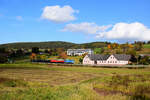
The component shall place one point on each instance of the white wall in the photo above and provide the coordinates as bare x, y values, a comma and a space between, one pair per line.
112, 61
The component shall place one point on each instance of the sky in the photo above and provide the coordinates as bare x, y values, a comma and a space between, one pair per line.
77, 21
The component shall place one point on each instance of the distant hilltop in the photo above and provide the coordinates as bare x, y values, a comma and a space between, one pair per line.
54, 44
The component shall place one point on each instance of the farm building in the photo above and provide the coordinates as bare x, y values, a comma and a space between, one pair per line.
115, 59
78, 52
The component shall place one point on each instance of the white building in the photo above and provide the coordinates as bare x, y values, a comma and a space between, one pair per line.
78, 52
115, 59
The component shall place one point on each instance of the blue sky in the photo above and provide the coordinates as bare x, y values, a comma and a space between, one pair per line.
77, 21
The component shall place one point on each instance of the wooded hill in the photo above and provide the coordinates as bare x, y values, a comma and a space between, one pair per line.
53, 44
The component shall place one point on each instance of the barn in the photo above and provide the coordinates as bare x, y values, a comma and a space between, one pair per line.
114, 59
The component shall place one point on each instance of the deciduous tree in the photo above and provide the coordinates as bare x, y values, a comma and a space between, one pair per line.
63, 55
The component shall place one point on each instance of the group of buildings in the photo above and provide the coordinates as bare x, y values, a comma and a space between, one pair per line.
98, 59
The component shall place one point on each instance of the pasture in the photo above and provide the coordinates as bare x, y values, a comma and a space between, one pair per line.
50, 82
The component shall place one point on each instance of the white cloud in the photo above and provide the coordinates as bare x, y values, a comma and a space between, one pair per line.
120, 31
85, 27
59, 14
124, 31
19, 18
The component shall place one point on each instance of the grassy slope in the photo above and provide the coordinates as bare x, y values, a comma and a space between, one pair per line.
46, 82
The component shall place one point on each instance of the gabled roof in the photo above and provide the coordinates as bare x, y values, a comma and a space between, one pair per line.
79, 50
123, 57
98, 57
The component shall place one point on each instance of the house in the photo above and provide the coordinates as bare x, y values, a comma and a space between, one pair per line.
115, 59
78, 52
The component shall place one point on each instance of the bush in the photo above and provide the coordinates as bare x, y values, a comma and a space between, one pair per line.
3, 58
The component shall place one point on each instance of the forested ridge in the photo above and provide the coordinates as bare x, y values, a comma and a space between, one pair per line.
53, 44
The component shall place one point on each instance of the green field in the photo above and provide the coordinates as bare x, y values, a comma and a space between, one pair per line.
146, 45
50, 82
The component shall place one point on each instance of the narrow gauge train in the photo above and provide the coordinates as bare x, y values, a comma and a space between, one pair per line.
67, 61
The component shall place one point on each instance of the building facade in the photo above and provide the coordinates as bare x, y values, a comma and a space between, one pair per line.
78, 52
116, 59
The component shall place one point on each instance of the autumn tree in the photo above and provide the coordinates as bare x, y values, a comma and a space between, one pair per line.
33, 56
42, 57
114, 46
63, 55
138, 46
60, 50
109, 46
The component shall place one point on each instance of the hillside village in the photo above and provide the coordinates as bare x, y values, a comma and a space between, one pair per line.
108, 54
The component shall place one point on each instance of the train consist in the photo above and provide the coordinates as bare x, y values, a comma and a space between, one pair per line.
67, 61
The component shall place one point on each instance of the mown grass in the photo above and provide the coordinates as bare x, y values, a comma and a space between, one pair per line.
49, 82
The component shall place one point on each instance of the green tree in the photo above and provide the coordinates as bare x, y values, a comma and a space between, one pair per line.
3, 58
2, 50
35, 50
145, 60
97, 51
131, 52
81, 60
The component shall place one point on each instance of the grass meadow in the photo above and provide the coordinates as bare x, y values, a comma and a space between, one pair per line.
50, 82
146, 45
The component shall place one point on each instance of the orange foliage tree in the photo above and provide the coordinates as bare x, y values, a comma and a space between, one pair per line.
33, 56
63, 55
109, 46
